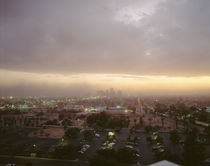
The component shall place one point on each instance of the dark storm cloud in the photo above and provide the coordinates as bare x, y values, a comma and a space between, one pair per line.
77, 36
182, 46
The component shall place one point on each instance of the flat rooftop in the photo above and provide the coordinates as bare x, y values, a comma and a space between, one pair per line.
164, 163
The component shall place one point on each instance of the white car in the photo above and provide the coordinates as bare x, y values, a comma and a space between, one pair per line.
129, 146
138, 155
86, 146
97, 135
81, 152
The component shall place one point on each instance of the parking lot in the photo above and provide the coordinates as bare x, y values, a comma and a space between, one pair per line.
94, 146
144, 147
17, 140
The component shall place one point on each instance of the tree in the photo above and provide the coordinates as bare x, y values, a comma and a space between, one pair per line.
173, 109
37, 122
98, 120
47, 134
52, 122
72, 133
135, 139
162, 121
127, 155
102, 121
148, 129
207, 131
174, 137
203, 116
61, 116
150, 120
160, 108
134, 121
176, 121
193, 151
185, 123
141, 121
104, 158
88, 135
66, 122
110, 157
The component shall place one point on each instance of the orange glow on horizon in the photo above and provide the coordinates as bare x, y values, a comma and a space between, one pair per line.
119, 81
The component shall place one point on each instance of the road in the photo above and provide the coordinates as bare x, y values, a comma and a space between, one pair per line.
22, 161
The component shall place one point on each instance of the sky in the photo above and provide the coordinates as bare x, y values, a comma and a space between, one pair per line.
69, 47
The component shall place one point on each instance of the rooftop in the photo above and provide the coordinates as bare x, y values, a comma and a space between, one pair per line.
164, 163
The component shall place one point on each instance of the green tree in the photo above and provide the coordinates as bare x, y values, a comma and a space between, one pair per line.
66, 122
88, 135
193, 151
141, 121
162, 121
61, 116
127, 155
110, 157
150, 121
134, 121
72, 133
174, 137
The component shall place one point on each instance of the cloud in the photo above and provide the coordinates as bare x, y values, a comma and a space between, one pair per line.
147, 37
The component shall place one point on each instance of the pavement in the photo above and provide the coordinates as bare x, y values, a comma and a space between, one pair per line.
94, 146
22, 161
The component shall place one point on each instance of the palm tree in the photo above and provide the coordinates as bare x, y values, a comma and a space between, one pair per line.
150, 120
162, 121
176, 121
134, 121
141, 121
